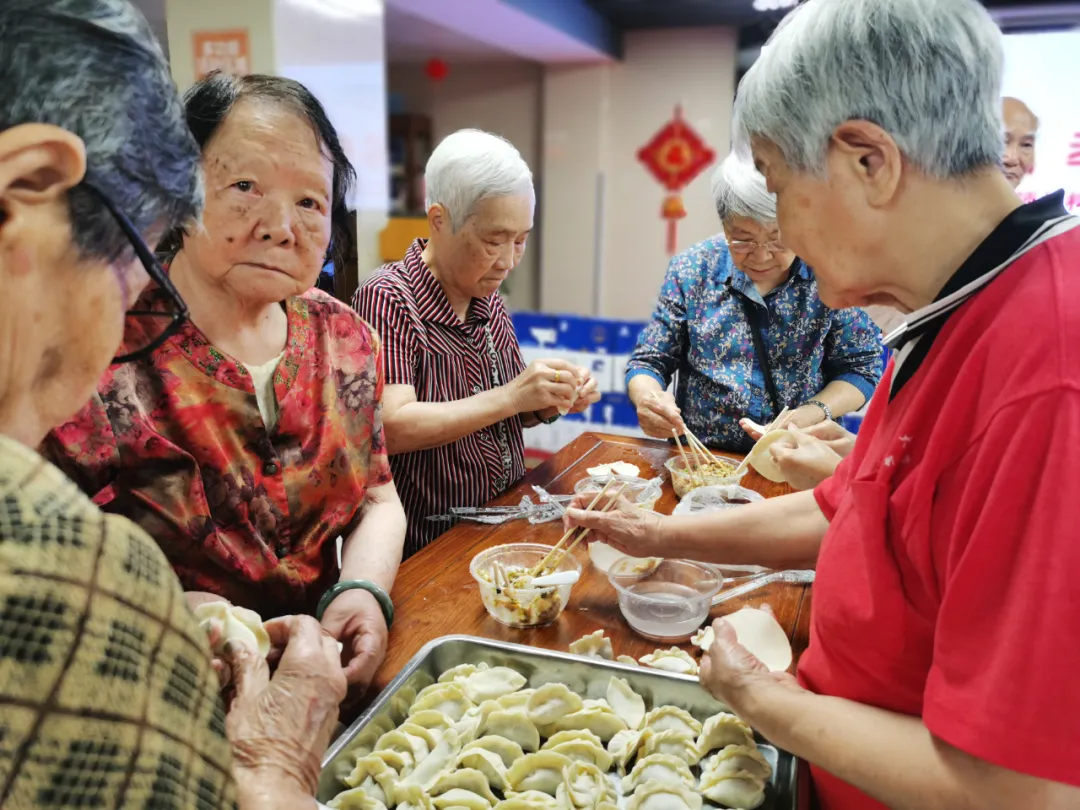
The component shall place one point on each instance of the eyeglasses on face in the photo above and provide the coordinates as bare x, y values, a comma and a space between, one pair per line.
744, 248
145, 329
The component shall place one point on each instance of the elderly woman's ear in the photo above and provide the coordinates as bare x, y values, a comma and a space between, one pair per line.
39, 163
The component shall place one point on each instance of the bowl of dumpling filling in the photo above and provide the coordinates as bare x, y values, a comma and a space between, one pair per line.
504, 575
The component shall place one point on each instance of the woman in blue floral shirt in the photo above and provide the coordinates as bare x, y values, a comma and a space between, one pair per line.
822, 362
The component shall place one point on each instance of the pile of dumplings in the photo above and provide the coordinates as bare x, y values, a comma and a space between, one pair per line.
478, 740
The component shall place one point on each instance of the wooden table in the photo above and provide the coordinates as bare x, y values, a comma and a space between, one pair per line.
435, 595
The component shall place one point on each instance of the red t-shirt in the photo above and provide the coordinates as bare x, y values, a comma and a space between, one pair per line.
948, 584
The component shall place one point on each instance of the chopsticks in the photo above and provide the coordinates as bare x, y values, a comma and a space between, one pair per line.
699, 455
769, 429
607, 508
546, 563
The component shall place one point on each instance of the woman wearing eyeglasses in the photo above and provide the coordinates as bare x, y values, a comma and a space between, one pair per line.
247, 439
740, 323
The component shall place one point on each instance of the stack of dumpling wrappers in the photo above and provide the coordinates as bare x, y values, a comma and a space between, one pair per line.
477, 740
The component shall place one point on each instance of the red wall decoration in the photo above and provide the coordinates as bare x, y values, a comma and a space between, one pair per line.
675, 156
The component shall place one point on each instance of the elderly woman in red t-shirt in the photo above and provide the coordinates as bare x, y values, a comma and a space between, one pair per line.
941, 670
250, 438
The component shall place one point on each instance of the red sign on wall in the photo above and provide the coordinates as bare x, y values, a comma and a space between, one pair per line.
227, 51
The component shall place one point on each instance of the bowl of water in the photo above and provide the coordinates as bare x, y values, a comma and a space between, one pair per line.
667, 601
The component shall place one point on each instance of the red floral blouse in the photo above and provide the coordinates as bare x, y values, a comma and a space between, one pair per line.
176, 443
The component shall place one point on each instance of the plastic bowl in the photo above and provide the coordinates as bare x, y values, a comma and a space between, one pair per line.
521, 607
667, 602
642, 492
684, 482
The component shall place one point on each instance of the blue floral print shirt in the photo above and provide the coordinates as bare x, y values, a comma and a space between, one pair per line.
700, 333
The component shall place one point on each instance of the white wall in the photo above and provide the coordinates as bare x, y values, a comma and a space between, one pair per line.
500, 97
595, 120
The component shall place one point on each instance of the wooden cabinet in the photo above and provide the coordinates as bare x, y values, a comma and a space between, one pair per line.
410, 146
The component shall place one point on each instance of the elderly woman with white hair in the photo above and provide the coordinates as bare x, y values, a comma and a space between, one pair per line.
941, 667
457, 391
740, 323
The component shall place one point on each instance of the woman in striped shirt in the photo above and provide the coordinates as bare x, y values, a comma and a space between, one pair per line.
457, 391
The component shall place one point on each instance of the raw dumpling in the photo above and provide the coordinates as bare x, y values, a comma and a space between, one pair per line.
734, 759
447, 698
584, 787
528, 800
427, 772
464, 779
236, 624
672, 718
401, 763
623, 748
674, 743
673, 660
432, 720
460, 672
626, 703
626, 659
722, 730
616, 468
513, 726
573, 735
600, 720
593, 645
429, 736
742, 790
704, 638
356, 799
660, 796
413, 797
761, 459
491, 684
460, 798
489, 764
762, 635
376, 777
401, 702
398, 740
583, 751
516, 701
540, 771
659, 768
552, 701
468, 727
507, 750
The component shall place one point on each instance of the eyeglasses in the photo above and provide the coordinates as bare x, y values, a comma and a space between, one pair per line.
746, 248
146, 328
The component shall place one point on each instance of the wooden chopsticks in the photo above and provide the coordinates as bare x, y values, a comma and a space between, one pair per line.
547, 564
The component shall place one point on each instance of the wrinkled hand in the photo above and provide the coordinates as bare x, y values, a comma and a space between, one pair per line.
280, 727
355, 619
220, 665
804, 460
834, 435
535, 390
658, 415
736, 677
627, 527
804, 417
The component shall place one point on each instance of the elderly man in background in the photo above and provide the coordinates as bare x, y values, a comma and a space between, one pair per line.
107, 695
457, 391
1021, 129
945, 545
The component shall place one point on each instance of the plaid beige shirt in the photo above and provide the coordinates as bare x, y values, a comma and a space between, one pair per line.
107, 698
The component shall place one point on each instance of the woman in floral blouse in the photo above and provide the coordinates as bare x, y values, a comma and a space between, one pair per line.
251, 439
819, 363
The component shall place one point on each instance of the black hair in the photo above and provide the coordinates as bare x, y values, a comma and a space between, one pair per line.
211, 100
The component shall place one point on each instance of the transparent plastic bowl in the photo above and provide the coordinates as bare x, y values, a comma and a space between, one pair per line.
521, 607
666, 601
684, 482
642, 492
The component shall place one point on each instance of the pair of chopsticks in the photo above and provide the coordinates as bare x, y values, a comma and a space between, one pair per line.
551, 561
699, 453
769, 429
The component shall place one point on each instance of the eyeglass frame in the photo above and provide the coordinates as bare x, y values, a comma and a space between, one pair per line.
154, 270
773, 247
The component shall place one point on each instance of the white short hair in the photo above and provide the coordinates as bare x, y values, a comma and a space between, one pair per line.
926, 71
471, 165
739, 190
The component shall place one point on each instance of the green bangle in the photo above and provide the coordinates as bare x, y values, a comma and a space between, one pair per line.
381, 596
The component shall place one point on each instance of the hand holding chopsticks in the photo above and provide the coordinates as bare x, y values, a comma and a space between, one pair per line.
551, 561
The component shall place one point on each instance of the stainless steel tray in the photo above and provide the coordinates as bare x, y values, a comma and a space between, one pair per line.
588, 677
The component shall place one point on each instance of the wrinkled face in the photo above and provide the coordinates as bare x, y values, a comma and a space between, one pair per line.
826, 222
1020, 129
757, 250
268, 195
479, 257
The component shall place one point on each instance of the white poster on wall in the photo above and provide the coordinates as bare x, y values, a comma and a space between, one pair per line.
1039, 72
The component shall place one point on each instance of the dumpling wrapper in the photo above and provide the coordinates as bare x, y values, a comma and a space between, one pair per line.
761, 459
238, 625
623, 468
761, 634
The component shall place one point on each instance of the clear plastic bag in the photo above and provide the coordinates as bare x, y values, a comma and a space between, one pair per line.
714, 498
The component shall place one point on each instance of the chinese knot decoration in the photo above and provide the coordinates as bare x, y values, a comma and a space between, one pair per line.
675, 156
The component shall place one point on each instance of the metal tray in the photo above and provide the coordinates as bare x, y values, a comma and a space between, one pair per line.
588, 677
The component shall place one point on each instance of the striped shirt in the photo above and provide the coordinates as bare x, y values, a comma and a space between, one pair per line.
427, 346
